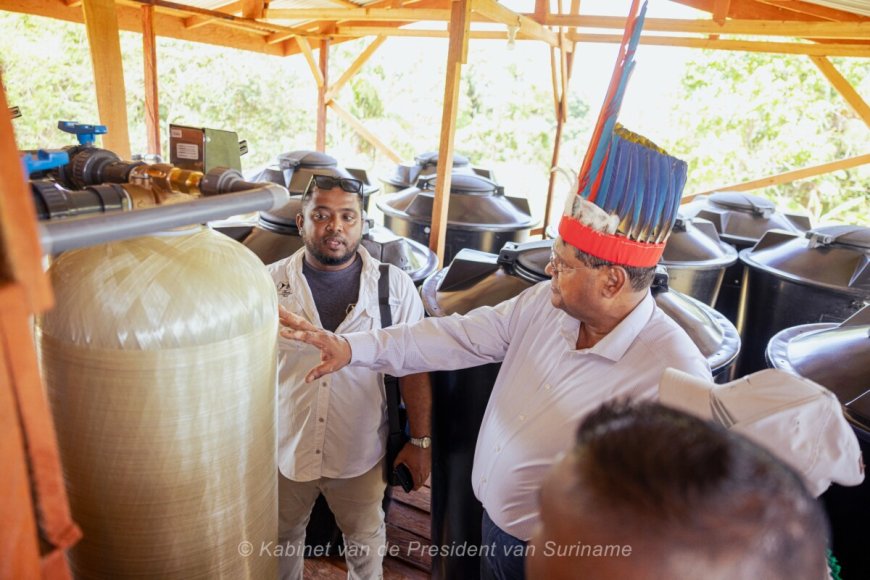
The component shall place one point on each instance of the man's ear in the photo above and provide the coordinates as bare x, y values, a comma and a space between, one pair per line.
300, 220
614, 279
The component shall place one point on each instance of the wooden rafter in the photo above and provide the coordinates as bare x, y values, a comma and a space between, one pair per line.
720, 10
842, 85
253, 8
197, 21
846, 30
789, 176
305, 46
497, 13
805, 8
768, 10
853, 50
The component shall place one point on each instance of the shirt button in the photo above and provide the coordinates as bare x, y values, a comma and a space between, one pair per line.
498, 448
323, 384
522, 417
482, 481
317, 451
321, 419
547, 387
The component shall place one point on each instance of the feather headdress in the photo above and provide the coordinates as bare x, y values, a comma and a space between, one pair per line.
628, 189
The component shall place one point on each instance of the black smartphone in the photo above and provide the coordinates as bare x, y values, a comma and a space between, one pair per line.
403, 476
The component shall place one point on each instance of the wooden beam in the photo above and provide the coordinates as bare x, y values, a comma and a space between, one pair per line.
357, 126
361, 14
167, 24
789, 176
309, 56
497, 13
360, 31
720, 10
457, 55
769, 10
853, 50
101, 22
253, 9
542, 9
197, 21
321, 95
805, 8
845, 30
152, 101
846, 90
354, 67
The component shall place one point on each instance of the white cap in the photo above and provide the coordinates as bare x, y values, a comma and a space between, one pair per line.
797, 420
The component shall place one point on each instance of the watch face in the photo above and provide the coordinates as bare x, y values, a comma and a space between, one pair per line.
423, 442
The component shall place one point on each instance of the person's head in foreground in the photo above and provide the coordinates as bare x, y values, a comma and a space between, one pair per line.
651, 492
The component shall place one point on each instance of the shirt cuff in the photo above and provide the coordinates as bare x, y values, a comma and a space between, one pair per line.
362, 347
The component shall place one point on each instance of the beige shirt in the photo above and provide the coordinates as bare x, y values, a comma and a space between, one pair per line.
336, 426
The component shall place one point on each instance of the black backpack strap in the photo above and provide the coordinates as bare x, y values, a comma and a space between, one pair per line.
391, 383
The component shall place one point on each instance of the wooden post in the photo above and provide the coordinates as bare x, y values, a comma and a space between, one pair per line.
32, 482
101, 21
561, 117
457, 55
321, 95
152, 108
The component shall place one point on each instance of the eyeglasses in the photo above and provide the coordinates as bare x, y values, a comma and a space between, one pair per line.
558, 265
325, 182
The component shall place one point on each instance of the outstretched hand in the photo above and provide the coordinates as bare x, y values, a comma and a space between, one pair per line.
334, 350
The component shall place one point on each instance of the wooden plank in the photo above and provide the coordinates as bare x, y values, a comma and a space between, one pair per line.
805, 8
19, 541
421, 498
101, 23
768, 10
554, 75
20, 252
309, 57
410, 519
720, 10
409, 547
852, 50
167, 25
844, 30
152, 107
197, 21
324, 569
846, 90
354, 67
321, 96
395, 569
366, 134
253, 9
361, 14
542, 9
563, 69
789, 176
497, 13
457, 55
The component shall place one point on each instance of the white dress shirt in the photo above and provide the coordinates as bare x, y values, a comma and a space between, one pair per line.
336, 426
545, 385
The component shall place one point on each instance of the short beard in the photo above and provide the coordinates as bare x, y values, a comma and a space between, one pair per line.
327, 260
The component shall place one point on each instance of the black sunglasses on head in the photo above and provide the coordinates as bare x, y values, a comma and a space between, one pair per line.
325, 182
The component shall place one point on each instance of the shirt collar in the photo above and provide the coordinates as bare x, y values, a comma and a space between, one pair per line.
616, 343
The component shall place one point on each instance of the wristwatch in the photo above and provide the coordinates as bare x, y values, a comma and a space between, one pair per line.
421, 442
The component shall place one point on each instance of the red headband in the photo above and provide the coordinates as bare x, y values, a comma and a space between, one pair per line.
613, 248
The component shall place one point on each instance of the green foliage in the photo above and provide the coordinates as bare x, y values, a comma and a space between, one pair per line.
746, 116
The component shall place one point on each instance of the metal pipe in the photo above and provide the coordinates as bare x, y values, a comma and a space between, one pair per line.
67, 235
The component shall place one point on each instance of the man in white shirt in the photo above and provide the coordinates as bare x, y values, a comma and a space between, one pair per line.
332, 433
591, 334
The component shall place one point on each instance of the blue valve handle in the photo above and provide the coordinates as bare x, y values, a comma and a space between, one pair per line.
43, 160
84, 132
